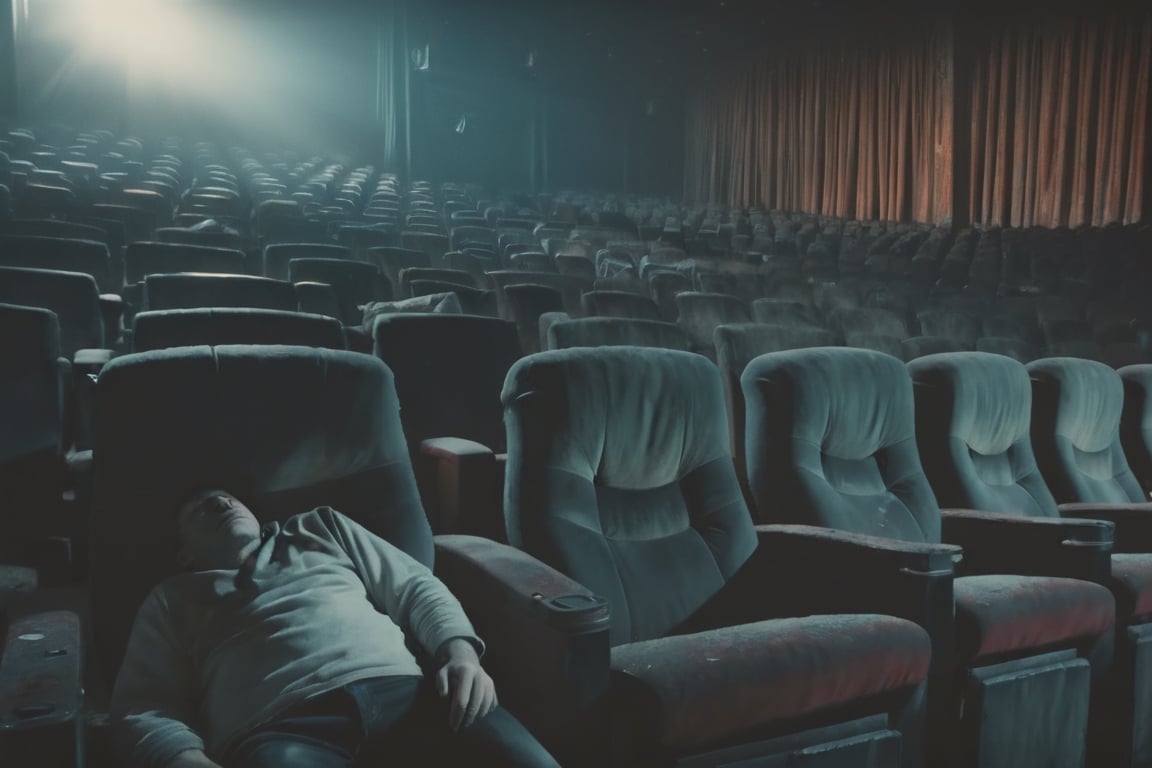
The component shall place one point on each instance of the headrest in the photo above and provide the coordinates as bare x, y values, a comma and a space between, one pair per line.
1082, 399
626, 417
850, 402
193, 327
982, 398
615, 331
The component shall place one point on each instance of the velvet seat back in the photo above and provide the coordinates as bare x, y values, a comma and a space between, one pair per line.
213, 326
1136, 421
449, 370
619, 475
973, 413
277, 256
284, 428
73, 296
150, 258
831, 441
619, 304
192, 291
31, 397
1076, 408
87, 256
615, 331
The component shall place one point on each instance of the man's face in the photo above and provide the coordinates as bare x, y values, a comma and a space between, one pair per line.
215, 528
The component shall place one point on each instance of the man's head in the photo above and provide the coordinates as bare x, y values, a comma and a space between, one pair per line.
216, 531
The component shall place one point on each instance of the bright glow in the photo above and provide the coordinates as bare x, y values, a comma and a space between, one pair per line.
155, 40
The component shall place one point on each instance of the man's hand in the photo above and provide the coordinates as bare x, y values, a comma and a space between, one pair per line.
471, 692
192, 758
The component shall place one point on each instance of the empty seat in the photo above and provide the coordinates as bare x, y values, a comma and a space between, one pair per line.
153, 258
605, 303
1136, 422
356, 283
614, 331
72, 296
87, 256
869, 320
962, 327
453, 276
392, 261
619, 476
449, 370
1015, 348
571, 288
700, 313
192, 327
879, 342
831, 442
192, 290
973, 413
785, 312
919, 346
737, 345
278, 256
526, 303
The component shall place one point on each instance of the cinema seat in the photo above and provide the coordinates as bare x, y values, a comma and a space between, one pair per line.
619, 476
831, 442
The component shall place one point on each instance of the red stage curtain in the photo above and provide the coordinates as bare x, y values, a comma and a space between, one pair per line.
1059, 121
1054, 114
857, 128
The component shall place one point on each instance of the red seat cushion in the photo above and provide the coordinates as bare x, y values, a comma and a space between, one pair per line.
700, 688
1132, 584
1001, 614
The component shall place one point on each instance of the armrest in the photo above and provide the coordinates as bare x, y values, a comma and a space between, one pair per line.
1030, 546
463, 484
112, 312
1133, 522
91, 360
41, 688
799, 570
546, 636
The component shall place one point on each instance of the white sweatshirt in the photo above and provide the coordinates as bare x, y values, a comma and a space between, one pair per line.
213, 654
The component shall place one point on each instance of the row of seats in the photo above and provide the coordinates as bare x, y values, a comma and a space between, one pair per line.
1020, 646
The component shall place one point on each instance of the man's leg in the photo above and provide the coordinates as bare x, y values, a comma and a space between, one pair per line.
321, 733
406, 724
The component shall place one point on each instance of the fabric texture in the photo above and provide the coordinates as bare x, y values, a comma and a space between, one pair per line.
191, 291
449, 370
615, 331
769, 670
831, 442
973, 416
73, 296
1001, 614
1076, 410
214, 653
190, 327
1132, 585
618, 465
1136, 421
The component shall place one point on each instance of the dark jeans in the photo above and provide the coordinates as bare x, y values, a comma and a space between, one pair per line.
385, 721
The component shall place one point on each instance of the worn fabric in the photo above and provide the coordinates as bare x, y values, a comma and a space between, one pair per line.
322, 603
973, 413
1076, 409
618, 466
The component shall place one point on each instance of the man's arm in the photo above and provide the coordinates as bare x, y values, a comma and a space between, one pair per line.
460, 677
153, 699
422, 605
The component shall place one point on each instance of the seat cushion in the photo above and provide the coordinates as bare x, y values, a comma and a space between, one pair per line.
694, 690
1002, 614
1132, 585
